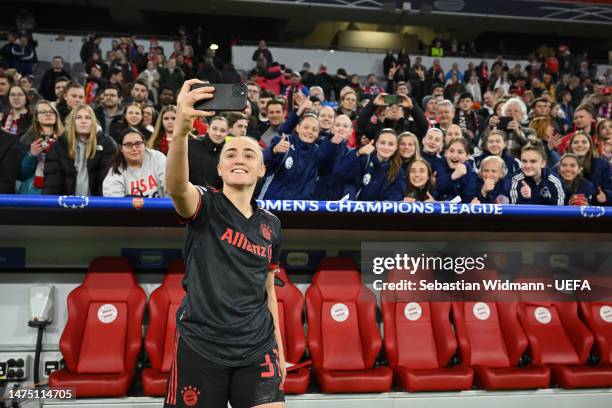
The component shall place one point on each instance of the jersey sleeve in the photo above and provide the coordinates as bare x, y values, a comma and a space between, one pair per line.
204, 204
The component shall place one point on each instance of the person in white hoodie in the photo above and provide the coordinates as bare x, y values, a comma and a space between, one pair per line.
135, 170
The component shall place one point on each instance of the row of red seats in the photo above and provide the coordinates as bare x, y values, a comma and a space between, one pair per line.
430, 346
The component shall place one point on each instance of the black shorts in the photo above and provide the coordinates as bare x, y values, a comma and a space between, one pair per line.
197, 382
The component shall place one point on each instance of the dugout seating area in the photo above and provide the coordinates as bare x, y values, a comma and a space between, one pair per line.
427, 346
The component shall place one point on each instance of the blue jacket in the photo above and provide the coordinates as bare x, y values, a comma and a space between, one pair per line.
601, 177
585, 188
292, 175
26, 175
435, 161
548, 192
465, 186
329, 187
368, 178
495, 196
512, 164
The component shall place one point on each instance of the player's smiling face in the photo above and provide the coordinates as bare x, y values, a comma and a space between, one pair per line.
241, 162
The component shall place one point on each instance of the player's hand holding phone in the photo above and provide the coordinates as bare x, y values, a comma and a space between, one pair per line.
186, 99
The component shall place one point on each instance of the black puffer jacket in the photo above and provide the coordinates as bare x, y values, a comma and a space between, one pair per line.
60, 173
10, 159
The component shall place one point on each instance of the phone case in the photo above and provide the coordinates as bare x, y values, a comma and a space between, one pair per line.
227, 97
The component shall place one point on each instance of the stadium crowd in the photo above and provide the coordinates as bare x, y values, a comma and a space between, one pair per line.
534, 134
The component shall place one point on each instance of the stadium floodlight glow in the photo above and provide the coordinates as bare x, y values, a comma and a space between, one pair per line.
214, 46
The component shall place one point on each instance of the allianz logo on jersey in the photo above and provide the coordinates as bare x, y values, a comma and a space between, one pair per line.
239, 240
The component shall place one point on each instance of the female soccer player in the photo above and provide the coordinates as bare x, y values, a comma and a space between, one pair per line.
228, 346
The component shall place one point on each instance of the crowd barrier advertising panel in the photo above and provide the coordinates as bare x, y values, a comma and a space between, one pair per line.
303, 206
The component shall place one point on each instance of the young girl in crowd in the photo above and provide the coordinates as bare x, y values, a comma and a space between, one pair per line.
292, 162
162, 135
535, 183
37, 142
204, 154
547, 134
72, 95
420, 181
136, 170
494, 144
374, 169
132, 117
149, 118
432, 146
456, 176
578, 191
492, 182
329, 186
17, 119
594, 169
78, 161
238, 124
348, 104
409, 149
453, 132
604, 139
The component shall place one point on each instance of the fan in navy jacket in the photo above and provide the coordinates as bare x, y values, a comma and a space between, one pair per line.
456, 176
494, 144
594, 169
330, 187
374, 169
292, 162
578, 191
492, 182
535, 184
432, 146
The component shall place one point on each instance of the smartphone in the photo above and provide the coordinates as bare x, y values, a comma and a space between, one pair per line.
503, 122
392, 99
227, 97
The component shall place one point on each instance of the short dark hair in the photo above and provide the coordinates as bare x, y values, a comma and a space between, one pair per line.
538, 100
165, 87
115, 87
275, 101
61, 79
140, 82
58, 56
266, 93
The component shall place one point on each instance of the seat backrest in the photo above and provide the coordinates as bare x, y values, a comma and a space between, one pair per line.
163, 304
549, 340
104, 329
342, 330
290, 303
598, 317
480, 332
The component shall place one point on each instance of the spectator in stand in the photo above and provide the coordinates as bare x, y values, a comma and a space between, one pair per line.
488, 105
494, 144
238, 124
5, 84
262, 118
109, 109
275, 78
308, 77
166, 97
132, 118
151, 76
24, 55
544, 129
595, 169
78, 161
583, 122
295, 87
72, 95
578, 191
149, 117
229, 75
172, 76
37, 141
436, 49
94, 85
409, 149
454, 71
48, 81
604, 139
204, 154
420, 182
468, 120
325, 81
473, 87
208, 72
136, 170
453, 88
328, 186
453, 131
456, 176
10, 155
535, 183
139, 93
372, 87
275, 112
162, 135
262, 55
518, 134
445, 112
16, 120
27, 83
375, 169
396, 117
492, 184
348, 104
429, 105
90, 46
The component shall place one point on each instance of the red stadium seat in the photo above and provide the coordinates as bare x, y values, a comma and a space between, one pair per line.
492, 341
159, 341
343, 336
103, 335
558, 337
598, 317
290, 307
420, 342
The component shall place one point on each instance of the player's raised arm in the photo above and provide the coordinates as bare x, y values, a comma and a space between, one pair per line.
184, 195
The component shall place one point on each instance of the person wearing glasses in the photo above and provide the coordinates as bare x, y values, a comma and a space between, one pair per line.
79, 159
36, 143
135, 170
